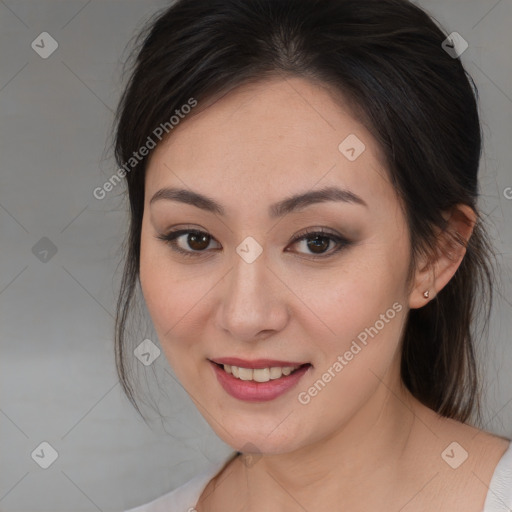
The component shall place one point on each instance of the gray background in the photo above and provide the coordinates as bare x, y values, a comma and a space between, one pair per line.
58, 380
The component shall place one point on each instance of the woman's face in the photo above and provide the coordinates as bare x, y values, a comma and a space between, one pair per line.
245, 290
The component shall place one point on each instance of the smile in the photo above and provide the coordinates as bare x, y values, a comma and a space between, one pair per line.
258, 384
259, 374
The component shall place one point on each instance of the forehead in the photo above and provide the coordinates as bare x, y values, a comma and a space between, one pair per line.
268, 139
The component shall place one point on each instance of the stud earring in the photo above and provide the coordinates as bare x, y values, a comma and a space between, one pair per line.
426, 294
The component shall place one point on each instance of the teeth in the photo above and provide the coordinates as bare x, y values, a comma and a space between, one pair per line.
259, 374
244, 373
275, 373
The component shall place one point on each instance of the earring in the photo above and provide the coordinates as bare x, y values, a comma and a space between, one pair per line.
426, 294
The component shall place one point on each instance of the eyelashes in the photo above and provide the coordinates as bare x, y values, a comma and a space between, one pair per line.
316, 236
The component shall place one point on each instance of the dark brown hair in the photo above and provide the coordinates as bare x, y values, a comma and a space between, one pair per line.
385, 57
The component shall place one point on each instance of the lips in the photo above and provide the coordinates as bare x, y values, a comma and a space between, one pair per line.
251, 388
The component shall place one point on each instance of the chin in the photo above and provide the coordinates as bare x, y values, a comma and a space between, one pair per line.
261, 439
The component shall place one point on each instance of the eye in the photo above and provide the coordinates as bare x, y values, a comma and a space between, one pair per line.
197, 240
317, 241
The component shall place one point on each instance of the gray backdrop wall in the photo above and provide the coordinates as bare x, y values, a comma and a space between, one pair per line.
60, 249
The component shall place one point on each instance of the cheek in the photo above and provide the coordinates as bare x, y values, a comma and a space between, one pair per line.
353, 298
357, 360
159, 288
168, 306
365, 308
164, 287
151, 284
367, 335
175, 298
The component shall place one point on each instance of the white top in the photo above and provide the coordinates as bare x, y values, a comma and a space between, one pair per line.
185, 498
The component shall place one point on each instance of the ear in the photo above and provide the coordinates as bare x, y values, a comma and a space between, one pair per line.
434, 272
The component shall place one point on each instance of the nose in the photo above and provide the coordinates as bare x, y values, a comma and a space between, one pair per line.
253, 301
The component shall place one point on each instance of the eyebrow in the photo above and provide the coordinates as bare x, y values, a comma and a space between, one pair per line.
290, 204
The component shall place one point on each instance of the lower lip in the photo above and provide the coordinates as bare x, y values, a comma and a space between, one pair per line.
252, 391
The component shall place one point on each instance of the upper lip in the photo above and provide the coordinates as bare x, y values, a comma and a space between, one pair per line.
255, 363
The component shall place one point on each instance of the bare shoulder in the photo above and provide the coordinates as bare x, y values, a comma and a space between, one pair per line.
483, 447
463, 459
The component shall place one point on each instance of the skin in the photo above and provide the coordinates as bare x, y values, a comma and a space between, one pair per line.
364, 442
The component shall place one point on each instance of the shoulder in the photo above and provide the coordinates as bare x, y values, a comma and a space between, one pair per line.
185, 497
477, 466
481, 446
460, 463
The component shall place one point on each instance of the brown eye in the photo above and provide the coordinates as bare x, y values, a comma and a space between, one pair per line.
195, 243
318, 243
198, 242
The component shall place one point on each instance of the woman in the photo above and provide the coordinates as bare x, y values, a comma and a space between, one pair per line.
302, 177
